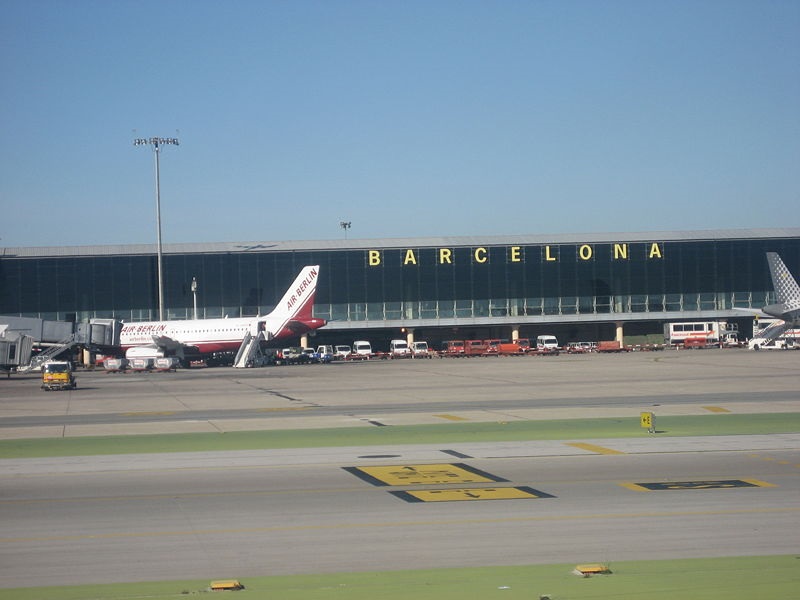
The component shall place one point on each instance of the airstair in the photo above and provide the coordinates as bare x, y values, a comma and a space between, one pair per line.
249, 353
51, 352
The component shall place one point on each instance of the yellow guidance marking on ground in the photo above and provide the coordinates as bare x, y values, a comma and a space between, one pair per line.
435, 474
154, 413
471, 494
716, 409
595, 449
661, 486
451, 417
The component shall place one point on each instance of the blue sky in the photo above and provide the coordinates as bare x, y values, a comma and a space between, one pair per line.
415, 118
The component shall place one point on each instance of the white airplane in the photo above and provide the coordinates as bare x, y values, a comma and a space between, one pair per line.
787, 294
291, 317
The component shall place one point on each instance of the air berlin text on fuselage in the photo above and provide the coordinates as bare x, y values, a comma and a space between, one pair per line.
147, 328
518, 254
301, 288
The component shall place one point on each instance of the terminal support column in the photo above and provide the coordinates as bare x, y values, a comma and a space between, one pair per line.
514, 333
619, 335
410, 336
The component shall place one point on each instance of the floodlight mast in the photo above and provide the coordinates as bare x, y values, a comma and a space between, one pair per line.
156, 143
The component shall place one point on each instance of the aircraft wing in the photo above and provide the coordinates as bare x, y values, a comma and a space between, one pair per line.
167, 343
755, 312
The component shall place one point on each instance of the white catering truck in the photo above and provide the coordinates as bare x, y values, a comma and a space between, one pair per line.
362, 349
399, 349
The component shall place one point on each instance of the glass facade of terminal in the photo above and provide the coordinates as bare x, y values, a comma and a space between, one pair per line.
424, 284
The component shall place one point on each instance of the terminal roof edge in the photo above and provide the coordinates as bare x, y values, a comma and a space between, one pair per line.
402, 243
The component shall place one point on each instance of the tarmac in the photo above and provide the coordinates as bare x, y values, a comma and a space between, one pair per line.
404, 392
181, 515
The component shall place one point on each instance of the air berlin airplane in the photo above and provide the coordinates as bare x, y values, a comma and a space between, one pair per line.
291, 317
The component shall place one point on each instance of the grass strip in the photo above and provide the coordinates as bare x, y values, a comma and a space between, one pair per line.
451, 432
737, 578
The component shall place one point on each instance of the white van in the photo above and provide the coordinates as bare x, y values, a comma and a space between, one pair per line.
362, 348
399, 349
547, 342
342, 352
420, 350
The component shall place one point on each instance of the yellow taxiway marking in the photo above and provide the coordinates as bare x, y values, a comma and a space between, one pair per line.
152, 413
416, 523
759, 483
595, 449
451, 417
284, 409
457, 495
467, 494
716, 409
436, 474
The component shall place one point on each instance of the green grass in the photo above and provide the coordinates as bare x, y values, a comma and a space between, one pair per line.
713, 424
741, 578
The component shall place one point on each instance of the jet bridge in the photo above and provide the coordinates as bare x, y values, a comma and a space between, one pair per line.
15, 350
55, 337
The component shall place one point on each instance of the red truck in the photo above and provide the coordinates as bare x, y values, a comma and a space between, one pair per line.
475, 347
504, 348
453, 348
611, 346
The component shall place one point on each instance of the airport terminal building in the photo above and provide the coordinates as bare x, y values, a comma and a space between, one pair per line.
578, 287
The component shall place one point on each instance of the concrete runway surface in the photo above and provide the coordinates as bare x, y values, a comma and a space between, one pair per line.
103, 519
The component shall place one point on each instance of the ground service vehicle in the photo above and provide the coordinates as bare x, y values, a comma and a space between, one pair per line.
342, 352
362, 349
399, 349
58, 376
576, 348
115, 365
325, 353
475, 347
292, 356
787, 340
611, 346
547, 342
714, 333
420, 350
166, 363
525, 344
453, 348
504, 348
312, 355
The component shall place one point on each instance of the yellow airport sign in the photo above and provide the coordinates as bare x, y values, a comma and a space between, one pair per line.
648, 421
